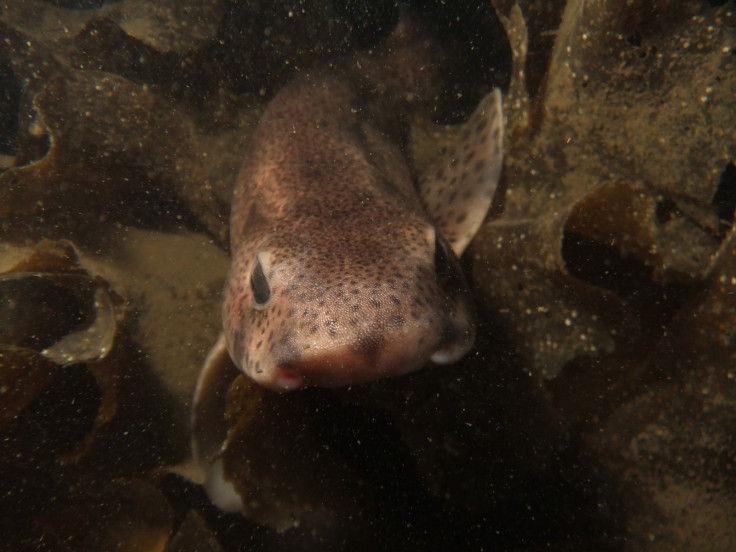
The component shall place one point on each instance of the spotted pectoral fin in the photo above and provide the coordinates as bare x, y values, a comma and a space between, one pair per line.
209, 426
458, 187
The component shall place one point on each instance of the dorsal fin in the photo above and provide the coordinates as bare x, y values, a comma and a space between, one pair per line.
458, 187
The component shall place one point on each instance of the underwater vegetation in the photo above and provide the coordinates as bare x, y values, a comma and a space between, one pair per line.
597, 410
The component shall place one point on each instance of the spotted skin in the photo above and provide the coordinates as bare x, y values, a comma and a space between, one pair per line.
325, 207
344, 266
458, 188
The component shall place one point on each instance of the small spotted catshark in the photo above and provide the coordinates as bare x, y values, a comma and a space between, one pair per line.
344, 266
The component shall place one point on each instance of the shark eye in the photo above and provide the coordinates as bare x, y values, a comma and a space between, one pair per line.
259, 286
446, 269
442, 268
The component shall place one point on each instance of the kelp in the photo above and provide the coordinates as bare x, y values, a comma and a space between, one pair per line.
608, 198
56, 314
605, 272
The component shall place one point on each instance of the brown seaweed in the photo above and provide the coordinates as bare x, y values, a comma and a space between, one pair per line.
606, 273
57, 314
587, 203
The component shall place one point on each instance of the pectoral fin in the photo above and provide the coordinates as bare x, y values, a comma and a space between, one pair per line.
458, 187
209, 426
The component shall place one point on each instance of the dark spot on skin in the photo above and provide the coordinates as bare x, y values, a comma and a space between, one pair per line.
368, 345
313, 330
460, 218
238, 345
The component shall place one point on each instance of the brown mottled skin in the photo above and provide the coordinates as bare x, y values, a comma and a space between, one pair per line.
325, 202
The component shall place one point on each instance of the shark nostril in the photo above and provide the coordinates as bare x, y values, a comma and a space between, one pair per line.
369, 344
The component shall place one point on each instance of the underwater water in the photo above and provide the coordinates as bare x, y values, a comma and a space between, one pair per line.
596, 409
